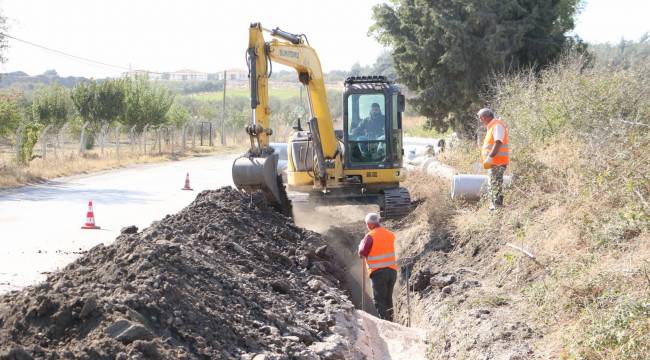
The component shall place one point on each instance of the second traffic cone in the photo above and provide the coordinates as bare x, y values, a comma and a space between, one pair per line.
187, 183
90, 218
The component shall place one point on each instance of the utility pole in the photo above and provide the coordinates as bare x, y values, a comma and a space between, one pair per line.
223, 111
302, 105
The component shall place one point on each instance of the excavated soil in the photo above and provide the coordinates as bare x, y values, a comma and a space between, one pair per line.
225, 278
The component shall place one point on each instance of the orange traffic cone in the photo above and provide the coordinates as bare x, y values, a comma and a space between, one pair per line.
187, 183
90, 218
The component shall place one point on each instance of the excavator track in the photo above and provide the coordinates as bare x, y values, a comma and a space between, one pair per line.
396, 204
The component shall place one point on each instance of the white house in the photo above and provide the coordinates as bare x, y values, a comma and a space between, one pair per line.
187, 75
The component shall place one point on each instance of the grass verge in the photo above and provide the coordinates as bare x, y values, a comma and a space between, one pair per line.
580, 203
40, 170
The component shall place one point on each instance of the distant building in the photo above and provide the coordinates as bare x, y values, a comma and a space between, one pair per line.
187, 75
236, 75
143, 73
180, 75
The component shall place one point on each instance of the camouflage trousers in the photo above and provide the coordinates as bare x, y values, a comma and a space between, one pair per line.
495, 183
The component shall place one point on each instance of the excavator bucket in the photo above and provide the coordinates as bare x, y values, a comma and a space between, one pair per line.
252, 174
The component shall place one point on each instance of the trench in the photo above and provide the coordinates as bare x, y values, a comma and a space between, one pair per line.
343, 228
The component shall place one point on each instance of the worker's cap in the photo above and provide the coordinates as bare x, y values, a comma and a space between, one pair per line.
372, 218
485, 112
375, 106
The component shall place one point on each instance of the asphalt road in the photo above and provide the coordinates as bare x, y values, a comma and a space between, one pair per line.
40, 225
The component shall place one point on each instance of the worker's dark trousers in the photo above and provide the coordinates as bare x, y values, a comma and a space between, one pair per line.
383, 281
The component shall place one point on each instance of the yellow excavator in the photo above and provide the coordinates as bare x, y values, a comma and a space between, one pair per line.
362, 163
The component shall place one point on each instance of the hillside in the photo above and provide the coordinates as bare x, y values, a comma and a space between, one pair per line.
23, 81
579, 204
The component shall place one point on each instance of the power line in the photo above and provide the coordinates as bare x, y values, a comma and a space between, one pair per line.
85, 59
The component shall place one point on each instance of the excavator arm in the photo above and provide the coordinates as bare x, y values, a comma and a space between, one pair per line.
256, 170
291, 51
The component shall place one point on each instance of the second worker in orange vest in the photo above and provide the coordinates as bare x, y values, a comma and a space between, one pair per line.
378, 249
495, 154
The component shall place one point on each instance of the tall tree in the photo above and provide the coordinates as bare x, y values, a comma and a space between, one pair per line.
99, 102
52, 105
446, 50
146, 103
10, 114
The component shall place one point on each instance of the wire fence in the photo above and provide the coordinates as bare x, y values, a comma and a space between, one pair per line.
116, 141
111, 142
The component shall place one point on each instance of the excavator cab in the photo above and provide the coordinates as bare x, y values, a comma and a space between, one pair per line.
372, 126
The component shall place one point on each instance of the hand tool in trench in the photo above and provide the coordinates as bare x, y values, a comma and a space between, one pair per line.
363, 284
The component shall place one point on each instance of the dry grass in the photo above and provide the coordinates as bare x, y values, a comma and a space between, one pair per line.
591, 289
40, 170
580, 203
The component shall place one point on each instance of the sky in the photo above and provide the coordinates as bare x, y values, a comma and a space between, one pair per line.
212, 35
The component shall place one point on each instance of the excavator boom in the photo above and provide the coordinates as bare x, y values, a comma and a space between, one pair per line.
256, 170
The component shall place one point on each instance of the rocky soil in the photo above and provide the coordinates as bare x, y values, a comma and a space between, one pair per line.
225, 278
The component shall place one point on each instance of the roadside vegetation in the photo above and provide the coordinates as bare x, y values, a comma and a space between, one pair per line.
445, 52
57, 117
581, 136
580, 203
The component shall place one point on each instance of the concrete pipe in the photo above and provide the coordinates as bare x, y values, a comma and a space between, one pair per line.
472, 187
434, 167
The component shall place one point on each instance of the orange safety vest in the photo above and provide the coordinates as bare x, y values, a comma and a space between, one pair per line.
382, 252
502, 157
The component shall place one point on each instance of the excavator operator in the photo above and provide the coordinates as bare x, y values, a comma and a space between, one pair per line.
369, 129
372, 127
375, 122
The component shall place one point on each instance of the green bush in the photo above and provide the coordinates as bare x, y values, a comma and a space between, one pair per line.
10, 116
29, 138
52, 105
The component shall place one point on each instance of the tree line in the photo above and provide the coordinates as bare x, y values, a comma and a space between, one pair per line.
624, 54
131, 102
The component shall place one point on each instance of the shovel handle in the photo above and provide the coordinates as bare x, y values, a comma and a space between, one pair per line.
363, 285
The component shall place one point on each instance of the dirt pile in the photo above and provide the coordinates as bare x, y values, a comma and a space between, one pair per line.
225, 278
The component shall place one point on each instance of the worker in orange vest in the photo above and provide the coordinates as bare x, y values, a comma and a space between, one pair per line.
378, 250
494, 154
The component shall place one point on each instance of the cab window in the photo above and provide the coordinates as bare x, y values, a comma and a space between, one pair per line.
366, 128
